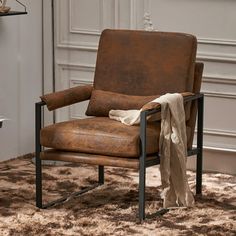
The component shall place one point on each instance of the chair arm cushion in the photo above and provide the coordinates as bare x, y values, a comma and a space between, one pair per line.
67, 97
155, 105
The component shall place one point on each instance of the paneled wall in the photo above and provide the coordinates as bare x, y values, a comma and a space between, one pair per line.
78, 27
213, 22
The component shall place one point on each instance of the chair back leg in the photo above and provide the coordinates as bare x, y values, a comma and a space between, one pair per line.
38, 161
199, 145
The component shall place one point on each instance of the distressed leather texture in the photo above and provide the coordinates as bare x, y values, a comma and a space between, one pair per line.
145, 63
100, 135
93, 159
132, 68
101, 102
67, 97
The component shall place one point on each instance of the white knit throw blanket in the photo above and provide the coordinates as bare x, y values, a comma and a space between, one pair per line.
172, 148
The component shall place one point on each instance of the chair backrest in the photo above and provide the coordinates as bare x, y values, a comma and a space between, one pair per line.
145, 63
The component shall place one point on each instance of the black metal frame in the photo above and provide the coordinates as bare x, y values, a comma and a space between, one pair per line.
196, 151
143, 163
38, 165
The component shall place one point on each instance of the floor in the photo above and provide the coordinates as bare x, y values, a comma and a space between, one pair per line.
110, 209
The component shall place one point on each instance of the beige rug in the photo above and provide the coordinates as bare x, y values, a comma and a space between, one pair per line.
112, 208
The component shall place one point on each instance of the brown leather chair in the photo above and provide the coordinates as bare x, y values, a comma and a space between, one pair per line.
133, 68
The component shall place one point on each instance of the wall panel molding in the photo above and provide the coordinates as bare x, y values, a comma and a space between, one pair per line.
76, 30
220, 57
220, 140
215, 79
217, 41
81, 81
66, 32
219, 149
90, 47
218, 132
84, 67
219, 94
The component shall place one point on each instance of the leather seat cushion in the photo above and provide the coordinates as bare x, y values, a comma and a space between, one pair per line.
99, 135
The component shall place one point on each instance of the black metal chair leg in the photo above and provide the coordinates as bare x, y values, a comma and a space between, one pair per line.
142, 180
142, 167
101, 174
37, 156
199, 174
38, 183
199, 145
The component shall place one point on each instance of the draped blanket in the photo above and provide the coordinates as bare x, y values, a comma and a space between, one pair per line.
172, 148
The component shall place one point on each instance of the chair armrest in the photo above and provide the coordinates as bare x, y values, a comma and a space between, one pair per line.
155, 109
67, 97
154, 105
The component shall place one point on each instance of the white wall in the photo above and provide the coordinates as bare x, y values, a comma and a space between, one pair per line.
20, 78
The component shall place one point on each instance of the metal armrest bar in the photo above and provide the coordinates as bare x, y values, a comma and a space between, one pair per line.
196, 151
186, 99
193, 97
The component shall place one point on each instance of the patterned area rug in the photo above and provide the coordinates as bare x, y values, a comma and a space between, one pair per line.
110, 209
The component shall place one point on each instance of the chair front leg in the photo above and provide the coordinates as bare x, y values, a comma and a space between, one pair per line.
142, 180
142, 167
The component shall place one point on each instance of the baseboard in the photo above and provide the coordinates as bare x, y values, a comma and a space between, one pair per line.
216, 160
